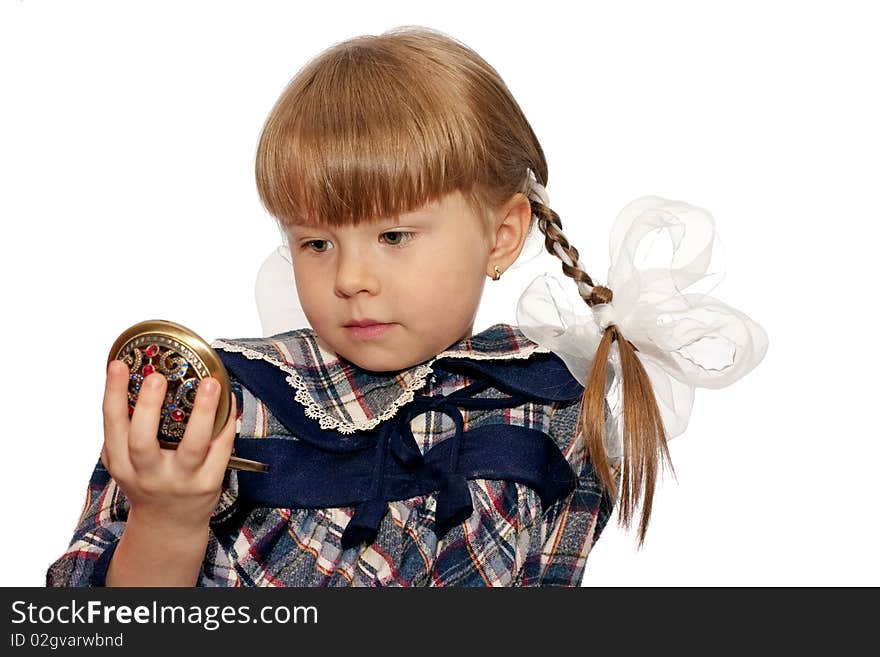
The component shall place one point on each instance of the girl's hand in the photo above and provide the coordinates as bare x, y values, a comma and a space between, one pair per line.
166, 488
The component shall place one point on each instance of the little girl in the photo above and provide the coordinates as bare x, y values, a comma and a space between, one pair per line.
403, 450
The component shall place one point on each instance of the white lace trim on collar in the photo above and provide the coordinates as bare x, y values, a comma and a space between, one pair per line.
418, 375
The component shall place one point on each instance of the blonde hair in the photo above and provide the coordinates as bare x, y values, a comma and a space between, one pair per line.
378, 126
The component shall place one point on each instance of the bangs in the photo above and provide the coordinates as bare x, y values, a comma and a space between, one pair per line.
370, 129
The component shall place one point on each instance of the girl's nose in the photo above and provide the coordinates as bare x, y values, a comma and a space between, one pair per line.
355, 273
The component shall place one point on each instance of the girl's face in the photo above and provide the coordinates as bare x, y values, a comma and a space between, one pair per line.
421, 276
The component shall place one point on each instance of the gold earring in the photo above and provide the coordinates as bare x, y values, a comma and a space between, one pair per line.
497, 272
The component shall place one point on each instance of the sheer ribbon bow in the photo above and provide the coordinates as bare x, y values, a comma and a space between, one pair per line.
684, 339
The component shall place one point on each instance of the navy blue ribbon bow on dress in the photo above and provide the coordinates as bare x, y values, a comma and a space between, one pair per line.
454, 503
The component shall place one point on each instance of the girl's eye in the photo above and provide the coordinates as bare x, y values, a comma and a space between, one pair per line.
316, 250
402, 237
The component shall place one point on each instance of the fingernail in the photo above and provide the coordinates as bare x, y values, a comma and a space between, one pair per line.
209, 386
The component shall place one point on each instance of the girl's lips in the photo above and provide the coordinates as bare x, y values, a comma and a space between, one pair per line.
367, 332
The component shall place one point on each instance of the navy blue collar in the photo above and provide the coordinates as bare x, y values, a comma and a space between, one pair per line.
541, 378
309, 390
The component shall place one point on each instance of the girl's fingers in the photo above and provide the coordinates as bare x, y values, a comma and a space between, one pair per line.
143, 434
115, 411
200, 425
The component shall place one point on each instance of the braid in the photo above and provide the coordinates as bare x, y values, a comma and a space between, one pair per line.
557, 244
644, 438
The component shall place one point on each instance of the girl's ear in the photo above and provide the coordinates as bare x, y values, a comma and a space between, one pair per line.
510, 229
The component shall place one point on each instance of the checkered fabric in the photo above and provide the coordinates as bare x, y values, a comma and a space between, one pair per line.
510, 538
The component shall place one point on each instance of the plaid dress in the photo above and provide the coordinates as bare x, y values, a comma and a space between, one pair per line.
465, 470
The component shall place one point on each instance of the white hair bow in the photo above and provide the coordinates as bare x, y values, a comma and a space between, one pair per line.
684, 340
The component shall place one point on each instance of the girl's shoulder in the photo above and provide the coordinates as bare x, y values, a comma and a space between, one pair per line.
288, 379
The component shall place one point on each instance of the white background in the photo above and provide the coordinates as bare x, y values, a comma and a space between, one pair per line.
127, 138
